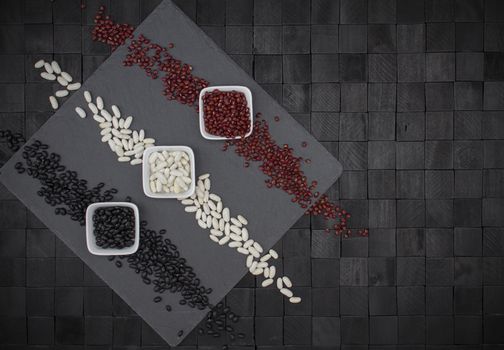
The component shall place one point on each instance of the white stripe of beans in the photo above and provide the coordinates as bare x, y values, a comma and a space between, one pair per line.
224, 229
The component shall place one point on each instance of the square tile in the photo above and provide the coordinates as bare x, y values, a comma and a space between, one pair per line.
411, 330
439, 242
468, 271
468, 96
381, 126
324, 39
239, 39
440, 66
354, 301
297, 330
326, 331
467, 300
439, 125
472, 65
410, 184
467, 125
439, 329
40, 301
439, 10
325, 273
493, 68
296, 98
382, 242
353, 185
467, 212
325, 12
382, 68
69, 330
325, 97
381, 184
468, 10
355, 330
440, 37
439, 96
41, 330
268, 68
410, 242
353, 155
439, 213
267, 12
353, 11
382, 11
410, 127
438, 155
269, 330
353, 38
439, 184
410, 271
468, 241
353, 68
439, 271
69, 301
469, 36
410, 213
411, 67
353, 126
468, 154
411, 38
325, 301
296, 69
382, 38
382, 213
411, 300
353, 272
410, 155
353, 97
439, 300
382, 271
410, 97
267, 40
382, 301
325, 126
324, 68
299, 269
296, 39
410, 11
381, 97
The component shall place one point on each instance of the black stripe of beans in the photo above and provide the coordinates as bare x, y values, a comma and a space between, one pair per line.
157, 261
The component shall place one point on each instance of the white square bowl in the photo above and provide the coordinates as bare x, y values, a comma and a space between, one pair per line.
146, 172
90, 237
248, 96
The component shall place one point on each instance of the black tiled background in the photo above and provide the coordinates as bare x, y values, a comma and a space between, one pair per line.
408, 94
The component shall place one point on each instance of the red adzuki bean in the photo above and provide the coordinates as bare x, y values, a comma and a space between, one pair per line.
109, 32
226, 113
178, 81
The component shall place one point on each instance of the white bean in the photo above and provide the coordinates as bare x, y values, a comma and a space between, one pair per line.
80, 112
61, 93
53, 102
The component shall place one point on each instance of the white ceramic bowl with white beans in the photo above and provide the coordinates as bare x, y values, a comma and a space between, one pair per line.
248, 96
146, 172
91, 239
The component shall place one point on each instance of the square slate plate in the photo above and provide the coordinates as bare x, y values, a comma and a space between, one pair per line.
269, 211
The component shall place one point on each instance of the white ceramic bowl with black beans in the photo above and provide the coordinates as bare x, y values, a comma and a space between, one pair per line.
90, 236
248, 96
146, 172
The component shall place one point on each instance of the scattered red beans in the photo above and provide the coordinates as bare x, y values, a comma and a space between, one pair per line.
109, 32
178, 81
226, 113
278, 162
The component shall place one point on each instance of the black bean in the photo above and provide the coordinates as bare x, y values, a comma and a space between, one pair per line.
118, 263
180, 333
168, 308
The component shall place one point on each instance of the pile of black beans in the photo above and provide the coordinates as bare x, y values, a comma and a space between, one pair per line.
217, 323
61, 188
157, 260
114, 227
14, 140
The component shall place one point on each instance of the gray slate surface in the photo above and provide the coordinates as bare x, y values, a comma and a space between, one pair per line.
269, 212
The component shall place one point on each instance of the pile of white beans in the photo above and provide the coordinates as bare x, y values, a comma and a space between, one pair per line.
225, 229
52, 72
115, 130
170, 172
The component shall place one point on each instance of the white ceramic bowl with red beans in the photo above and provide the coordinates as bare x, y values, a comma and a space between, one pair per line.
248, 96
